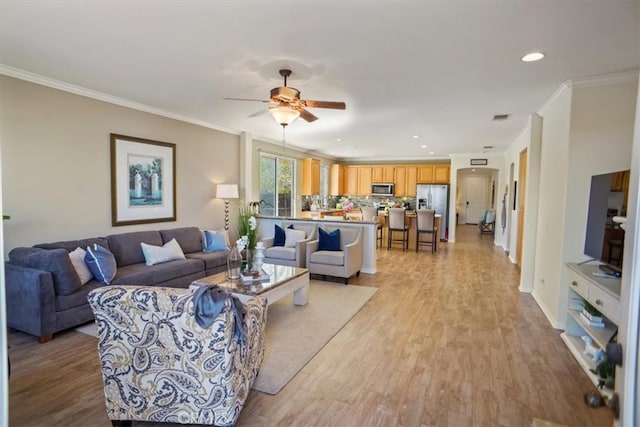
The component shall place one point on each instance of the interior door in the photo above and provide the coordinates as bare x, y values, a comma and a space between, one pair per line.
476, 198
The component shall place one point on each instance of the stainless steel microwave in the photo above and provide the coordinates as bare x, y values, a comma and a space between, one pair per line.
381, 189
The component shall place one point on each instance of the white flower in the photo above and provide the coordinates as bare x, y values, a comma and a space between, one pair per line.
242, 243
253, 223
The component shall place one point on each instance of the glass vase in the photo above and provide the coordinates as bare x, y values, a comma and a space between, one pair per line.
234, 264
250, 264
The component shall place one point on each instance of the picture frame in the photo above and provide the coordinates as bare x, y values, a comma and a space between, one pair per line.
143, 181
479, 162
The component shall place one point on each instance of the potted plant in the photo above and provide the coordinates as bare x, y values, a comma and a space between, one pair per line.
606, 372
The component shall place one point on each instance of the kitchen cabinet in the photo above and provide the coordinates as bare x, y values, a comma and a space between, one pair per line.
425, 174
351, 180
441, 174
310, 177
433, 174
604, 295
358, 180
364, 181
620, 181
406, 181
336, 180
383, 173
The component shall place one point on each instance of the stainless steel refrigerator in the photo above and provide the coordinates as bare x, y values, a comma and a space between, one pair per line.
435, 196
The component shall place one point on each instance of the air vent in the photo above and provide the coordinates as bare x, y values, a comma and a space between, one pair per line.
499, 117
487, 147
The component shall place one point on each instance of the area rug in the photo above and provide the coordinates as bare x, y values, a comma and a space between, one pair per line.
294, 334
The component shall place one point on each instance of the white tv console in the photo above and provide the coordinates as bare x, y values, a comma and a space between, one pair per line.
603, 293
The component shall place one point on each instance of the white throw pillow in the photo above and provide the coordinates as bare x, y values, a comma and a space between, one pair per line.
77, 259
292, 237
159, 254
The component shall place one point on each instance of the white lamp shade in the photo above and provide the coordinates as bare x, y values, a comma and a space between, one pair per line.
284, 115
227, 191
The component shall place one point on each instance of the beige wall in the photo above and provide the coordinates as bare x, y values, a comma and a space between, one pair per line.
56, 164
586, 131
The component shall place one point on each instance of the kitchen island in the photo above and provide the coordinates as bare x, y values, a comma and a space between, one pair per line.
266, 229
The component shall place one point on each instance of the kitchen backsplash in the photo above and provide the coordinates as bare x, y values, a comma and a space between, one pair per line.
359, 201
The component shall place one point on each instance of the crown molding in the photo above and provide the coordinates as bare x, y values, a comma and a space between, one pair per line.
100, 96
626, 76
563, 89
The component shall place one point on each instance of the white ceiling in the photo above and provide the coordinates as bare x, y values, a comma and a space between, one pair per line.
439, 69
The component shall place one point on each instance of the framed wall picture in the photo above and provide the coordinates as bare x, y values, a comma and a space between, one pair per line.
143, 181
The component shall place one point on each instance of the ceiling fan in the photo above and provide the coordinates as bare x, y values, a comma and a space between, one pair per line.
288, 106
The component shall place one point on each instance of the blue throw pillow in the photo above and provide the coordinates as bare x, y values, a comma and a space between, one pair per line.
214, 242
101, 263
279, 236
329, 241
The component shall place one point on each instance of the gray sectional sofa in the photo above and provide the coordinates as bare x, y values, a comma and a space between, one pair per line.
44, 292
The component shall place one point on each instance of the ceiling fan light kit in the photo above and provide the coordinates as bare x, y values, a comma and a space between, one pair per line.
284, 115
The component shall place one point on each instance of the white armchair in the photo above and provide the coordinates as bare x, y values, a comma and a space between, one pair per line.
343, 263
294, 253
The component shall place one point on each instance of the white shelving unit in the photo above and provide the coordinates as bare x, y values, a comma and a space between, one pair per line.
604, 294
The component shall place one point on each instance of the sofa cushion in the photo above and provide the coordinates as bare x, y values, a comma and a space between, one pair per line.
224, 233
126, 246
189, 238
214, 242
58, 263
19, 255
70, 245
78, 298
77, 259
101, 263
278, 236
210, 259
292, 237
280, 252
329, 241
327, 257
142, 274
158, 254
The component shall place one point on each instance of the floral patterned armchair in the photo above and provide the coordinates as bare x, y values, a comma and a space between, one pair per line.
159, 365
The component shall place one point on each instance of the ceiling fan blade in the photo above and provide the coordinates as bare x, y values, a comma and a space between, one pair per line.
324, 104
306, 115
258, 113
247, 99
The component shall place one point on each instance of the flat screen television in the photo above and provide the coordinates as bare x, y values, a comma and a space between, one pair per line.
604, 238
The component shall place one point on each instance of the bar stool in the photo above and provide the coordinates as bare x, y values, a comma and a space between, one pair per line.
397, 224
371, 214
426, 224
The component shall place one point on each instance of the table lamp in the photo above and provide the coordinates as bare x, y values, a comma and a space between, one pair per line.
226, 192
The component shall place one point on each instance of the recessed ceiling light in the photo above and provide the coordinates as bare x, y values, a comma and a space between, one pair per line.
339, 139
423, 146
415, 136
432, 152
533, 56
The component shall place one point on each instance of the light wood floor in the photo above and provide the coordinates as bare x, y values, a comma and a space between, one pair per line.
447, 341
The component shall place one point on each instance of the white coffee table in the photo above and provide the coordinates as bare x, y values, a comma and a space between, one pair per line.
283, 280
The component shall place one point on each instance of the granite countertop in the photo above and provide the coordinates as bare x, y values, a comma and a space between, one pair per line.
326, 219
